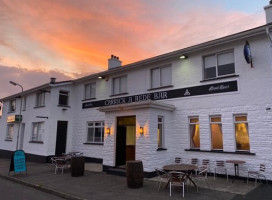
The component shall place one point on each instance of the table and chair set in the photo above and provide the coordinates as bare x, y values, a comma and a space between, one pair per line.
183, 172
63, 162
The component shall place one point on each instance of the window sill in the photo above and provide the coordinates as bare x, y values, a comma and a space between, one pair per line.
93, 143
113, 95
38, 107
88, 99
161, 149
8, 140
221, 151
66, 106
38, 142
162, 87
220, 77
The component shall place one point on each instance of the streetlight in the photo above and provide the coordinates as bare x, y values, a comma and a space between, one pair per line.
19, 125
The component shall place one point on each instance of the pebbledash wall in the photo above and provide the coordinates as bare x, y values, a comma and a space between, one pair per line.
247, 92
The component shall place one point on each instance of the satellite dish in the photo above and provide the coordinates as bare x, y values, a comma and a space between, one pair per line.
247, 53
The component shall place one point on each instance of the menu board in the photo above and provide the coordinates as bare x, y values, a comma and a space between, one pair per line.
18, 162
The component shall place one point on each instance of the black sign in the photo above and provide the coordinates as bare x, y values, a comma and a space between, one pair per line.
230, 86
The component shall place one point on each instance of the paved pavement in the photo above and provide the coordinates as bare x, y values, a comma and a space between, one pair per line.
98, 185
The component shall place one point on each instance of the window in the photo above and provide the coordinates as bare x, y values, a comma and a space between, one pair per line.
12, 105
37, 131
216, 133
40, 99
24, 103
90, 90
161, 76
119, 85
194, 133
160, 132
241, 133
95, 132
10, 131
63, 98
219, 65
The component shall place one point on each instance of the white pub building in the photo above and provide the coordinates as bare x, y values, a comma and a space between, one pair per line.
208, 101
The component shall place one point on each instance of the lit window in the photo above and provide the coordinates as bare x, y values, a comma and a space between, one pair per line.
119, 85
216, 132
95, 132
37, 131
219, 65
161, 76
12, 105
40, 99
241, 133
10, 131
194, 133
90, 90
160, 131
63, 98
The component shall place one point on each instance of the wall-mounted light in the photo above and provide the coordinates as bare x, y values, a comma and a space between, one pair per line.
141, 130
107, 130
101, 77
183, 57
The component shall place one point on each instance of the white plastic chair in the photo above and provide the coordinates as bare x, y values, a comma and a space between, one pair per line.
59, 165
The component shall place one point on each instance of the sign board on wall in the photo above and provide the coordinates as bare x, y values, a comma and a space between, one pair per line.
223, 87
14, 118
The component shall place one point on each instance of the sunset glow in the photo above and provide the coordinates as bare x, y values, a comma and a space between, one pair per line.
69, 39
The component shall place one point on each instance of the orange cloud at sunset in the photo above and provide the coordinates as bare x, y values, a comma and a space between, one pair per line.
76, 38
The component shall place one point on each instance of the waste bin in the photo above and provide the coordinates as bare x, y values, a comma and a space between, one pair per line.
77, 166
135, 174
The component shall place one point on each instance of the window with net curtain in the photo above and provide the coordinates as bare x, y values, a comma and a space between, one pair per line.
95, 132
194, 133
241, 133
161, 76
219, 64
119, 85
216, 133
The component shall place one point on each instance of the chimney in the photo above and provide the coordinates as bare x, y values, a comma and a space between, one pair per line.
52, 80
268, 12
114, 62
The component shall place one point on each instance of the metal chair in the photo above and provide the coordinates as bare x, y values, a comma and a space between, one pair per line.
219, 165
257, 174
194, 161
178, 160
161, 176
59, 165
205, 165
177, 179
202, 176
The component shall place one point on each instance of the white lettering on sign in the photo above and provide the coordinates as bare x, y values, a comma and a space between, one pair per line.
218, 88
142, 97
115, 101
187, 93
160, 95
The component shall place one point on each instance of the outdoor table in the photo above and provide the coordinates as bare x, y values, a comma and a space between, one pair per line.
185, 168
236, 167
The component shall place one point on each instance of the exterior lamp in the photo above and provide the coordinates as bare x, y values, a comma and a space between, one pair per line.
141, 130
108, 131
101, 77
183, 57
20, 121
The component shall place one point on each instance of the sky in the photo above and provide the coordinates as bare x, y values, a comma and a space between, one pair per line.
69, 39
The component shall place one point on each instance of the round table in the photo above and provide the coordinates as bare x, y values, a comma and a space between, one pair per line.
185, 168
